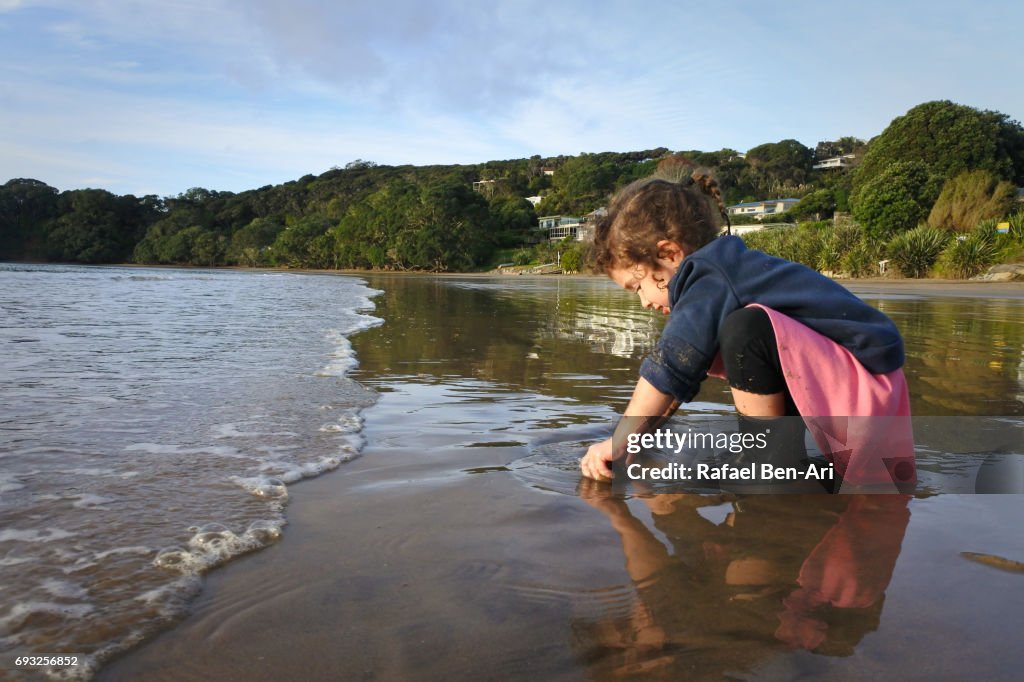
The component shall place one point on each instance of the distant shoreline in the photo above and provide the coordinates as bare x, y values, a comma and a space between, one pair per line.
861, 287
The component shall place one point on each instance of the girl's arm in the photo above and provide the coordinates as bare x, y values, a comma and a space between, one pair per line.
648, 409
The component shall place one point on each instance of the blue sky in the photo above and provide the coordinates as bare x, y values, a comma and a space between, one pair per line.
154, 97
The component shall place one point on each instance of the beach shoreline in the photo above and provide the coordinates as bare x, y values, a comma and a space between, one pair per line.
860, 286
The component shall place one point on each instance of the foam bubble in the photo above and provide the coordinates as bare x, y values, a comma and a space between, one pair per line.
264, 532
291, 473
173, 557
213, 544
350, 423
213, 537
263, 486
343, 358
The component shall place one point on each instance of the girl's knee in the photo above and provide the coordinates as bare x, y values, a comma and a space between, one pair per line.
750, 352
743, 327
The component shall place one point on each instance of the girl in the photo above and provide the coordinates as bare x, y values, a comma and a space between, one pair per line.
788, 340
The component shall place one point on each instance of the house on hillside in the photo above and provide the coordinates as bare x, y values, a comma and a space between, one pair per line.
558, 227
760, 209
489, 187
836, 162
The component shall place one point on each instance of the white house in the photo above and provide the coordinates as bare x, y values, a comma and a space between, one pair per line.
844, 161
560, 226
760, 209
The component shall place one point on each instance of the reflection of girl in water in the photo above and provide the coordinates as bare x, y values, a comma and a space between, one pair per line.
790, 571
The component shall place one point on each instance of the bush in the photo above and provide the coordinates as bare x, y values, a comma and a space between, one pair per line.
804, 244
896, 199
861, 260
969, 198
522, 257
571, 261
769, 241
967, 256
914, 252
830, 254
1017, 226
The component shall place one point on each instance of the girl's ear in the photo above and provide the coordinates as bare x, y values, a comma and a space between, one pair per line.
671, 251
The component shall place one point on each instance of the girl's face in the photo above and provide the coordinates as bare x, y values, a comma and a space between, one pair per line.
650, 284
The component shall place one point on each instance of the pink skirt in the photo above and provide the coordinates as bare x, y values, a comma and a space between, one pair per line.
859, 420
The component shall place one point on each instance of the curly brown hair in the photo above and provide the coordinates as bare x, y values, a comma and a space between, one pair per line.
690, 213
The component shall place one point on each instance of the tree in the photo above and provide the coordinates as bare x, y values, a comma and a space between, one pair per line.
817, 205
949, 139
514, 219
897, 199
778, 167
249, 242
298, 246
450, 229
844, 145
95, 226
26, 207
367, 232
969, 198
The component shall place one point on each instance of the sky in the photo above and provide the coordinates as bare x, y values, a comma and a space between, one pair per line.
158, 96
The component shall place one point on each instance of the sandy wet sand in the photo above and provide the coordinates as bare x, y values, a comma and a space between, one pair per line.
398, 568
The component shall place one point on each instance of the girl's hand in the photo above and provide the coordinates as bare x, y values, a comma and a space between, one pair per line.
596, 463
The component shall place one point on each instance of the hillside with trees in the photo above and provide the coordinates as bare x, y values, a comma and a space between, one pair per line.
942, 166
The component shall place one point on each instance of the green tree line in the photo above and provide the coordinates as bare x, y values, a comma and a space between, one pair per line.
944, 164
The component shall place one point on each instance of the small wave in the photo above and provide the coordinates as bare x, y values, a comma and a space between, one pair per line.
214, 544
34, 535
349, 423
10, 483
90, 501
264, 487
64, 589
22, 611
136, 549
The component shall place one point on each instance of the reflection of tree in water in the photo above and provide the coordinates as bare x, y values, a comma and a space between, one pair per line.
778, 573
964, 356
560, 338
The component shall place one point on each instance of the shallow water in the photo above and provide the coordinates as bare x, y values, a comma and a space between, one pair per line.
717, 584
152, 423
463, 541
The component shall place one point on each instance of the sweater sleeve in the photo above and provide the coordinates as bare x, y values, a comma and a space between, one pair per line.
688, 345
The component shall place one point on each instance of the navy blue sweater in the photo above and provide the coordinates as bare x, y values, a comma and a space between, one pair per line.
724, 276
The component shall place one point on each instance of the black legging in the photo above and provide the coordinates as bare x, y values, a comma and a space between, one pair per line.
750, 353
